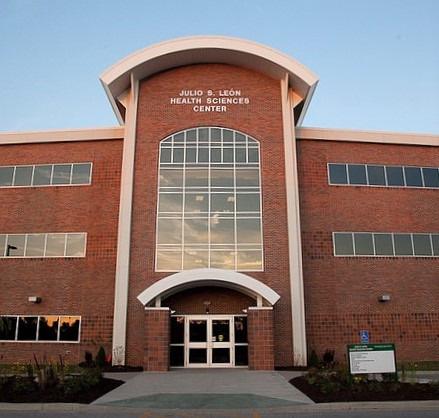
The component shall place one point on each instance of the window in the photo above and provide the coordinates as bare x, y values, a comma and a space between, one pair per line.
209, 206
45, 175
380, 175
49, 328
43, 245
385, 244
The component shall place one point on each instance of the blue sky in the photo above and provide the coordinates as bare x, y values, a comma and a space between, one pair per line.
377, 60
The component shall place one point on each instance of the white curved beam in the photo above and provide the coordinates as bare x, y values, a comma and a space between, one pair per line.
191, 278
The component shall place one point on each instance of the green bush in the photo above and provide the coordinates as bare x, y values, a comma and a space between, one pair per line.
101, 358
22, 385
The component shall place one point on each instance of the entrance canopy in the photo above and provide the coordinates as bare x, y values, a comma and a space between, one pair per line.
208, 277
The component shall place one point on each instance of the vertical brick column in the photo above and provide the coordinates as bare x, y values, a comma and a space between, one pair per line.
260, 338
157, 339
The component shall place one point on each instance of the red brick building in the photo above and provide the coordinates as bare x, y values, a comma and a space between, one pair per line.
210, 229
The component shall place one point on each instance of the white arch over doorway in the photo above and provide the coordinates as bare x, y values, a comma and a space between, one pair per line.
210, 277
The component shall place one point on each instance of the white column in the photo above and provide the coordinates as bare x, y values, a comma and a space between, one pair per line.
294, 231
124, 231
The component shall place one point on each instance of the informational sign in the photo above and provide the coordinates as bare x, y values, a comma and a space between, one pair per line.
372, 358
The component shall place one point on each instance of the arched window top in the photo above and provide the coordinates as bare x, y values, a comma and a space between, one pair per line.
210, 135
209, 146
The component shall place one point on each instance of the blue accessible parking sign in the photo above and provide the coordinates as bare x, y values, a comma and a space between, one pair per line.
364, 337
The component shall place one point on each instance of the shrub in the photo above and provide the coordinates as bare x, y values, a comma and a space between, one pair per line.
101, 358
313, 359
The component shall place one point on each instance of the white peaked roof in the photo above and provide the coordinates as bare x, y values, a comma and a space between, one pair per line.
207, 49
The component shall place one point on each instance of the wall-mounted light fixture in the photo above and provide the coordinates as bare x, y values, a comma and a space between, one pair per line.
207, 304
10, 247
384, 298
35, 299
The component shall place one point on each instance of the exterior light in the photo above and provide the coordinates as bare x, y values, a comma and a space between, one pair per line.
384, 298
10, 247
35, 299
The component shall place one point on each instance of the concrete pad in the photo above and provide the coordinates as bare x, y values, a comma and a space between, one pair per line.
218, 388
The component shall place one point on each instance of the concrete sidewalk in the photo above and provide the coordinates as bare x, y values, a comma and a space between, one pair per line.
206, 388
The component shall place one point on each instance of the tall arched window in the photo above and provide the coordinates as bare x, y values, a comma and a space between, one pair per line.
209, 205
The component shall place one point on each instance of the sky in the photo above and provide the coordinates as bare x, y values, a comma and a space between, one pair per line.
377, 60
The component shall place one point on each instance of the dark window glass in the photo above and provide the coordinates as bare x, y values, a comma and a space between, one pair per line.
253, 155
178, 155
165, 155
413, 176
435, 242
376, 175
203, 135
343, 243
220, 355
179, 137
27, 328
240, 329
227, 136
431, 177
240, 155
337, 174
191, 155
177, 356
42, 175
23, 176
48, 328
8, 327
81, 173
61, 174
357, 174
69, 330
394, 176
383, 244
177, 330
198, 355
191, 136
197, 331
363, 244
241, 355
215, 134
422, 244
215, 155
403, 244
6, 174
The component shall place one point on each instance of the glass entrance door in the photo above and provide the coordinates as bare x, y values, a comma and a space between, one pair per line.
208, 341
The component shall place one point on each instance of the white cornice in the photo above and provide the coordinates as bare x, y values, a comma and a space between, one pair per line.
64, 135
346, 135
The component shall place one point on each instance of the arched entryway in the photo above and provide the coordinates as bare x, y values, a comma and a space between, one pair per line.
208, 318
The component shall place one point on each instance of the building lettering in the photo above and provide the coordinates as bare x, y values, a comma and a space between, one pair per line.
211, 100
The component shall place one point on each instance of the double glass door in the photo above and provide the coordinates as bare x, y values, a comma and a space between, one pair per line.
209, 341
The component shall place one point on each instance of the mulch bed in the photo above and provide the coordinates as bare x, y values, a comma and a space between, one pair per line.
55, 394
385, 391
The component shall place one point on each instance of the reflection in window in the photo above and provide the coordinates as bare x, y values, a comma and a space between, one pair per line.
40, 328
45, 175
209, 206
379, 244
43, 245
381, 175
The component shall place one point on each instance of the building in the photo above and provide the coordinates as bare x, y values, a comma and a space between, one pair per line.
211, 229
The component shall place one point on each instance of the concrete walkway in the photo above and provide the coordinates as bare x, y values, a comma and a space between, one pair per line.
206, 389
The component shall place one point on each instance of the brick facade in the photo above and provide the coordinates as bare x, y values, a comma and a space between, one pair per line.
67, 286
341, 293
156, 343
260, 339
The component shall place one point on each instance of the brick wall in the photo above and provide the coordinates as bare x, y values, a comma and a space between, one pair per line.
342, 293
157, 339
67, 286
261, 118
261, 339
